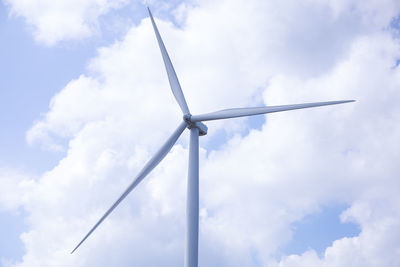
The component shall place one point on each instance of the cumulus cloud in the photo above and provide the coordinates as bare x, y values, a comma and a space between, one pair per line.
13, 187
54, 21
351, 160
255, 186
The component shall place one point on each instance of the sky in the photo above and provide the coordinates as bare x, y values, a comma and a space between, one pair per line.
85, 102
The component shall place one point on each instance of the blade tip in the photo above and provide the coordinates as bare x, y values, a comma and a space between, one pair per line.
76, 247
345, 101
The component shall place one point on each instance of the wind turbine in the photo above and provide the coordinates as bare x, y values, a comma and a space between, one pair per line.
197, 128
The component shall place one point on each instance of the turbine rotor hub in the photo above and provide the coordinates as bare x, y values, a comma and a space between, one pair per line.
199, 125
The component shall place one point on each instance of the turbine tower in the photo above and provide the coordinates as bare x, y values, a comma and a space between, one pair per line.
197, 128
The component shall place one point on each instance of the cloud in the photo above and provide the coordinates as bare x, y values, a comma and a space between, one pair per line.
55, 21
255, 186
343, 154
14, 185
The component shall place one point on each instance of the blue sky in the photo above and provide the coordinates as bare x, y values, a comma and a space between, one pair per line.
32, 74
75, 131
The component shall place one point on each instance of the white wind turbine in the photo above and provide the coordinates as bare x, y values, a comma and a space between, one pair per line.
197, 128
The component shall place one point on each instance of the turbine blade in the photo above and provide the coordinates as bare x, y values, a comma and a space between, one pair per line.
241, 112
153, 162
173, 79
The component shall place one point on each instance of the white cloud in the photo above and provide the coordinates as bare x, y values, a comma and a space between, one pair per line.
342, 163
254, 187
13, 187
54, 21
